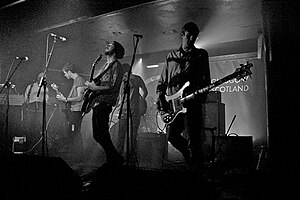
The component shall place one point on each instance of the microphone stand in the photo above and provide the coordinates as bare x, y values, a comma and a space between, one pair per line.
127, 94
43, 83
7, 85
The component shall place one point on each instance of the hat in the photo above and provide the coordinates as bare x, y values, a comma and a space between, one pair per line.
119, 50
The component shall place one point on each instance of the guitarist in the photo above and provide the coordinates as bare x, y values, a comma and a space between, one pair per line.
187, 63
107, 84
74, 115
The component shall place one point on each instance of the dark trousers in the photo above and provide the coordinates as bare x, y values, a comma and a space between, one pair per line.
100, 119
185, 133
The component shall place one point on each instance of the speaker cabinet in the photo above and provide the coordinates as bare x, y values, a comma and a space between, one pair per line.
35, 177
152, 149
214, 96
214, 117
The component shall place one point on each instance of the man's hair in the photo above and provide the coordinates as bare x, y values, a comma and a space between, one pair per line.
69, 67
190, 27
119, 50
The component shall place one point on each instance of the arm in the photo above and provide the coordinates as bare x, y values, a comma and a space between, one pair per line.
204, 75
26, 94
144, 88
207, 78
92, 86
76, 94
79, 96
161, 89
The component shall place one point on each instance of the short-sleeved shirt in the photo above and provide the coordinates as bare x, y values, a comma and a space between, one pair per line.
78, 82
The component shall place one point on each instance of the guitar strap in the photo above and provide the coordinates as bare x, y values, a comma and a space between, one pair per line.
97, 79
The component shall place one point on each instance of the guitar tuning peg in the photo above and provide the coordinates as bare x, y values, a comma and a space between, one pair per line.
244, 79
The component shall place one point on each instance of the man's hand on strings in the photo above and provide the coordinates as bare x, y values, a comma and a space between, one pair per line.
61, 97
91, 85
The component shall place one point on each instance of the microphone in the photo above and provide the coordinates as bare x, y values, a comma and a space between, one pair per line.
57, 36
22, 58
138, 35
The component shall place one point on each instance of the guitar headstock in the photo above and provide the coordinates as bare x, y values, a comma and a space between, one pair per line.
97, 59
244, 70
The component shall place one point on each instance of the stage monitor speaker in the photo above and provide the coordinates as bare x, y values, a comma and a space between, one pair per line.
152, 149
36, 177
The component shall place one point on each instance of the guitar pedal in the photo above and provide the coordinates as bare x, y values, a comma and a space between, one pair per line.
18, 145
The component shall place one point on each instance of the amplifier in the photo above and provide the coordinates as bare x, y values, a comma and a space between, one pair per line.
214, 97
152, 149
14, 99
214, 117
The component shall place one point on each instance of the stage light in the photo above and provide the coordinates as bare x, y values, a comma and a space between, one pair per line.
152, 66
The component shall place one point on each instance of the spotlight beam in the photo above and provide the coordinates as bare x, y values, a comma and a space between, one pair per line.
12, 4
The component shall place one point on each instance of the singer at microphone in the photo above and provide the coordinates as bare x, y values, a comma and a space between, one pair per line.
22, 58
138, 35
57, 36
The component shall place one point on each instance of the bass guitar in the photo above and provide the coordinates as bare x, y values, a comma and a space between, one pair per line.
176, 101
89, 95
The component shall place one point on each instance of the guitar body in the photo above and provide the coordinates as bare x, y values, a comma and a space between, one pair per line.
175, 106
88, 103
67, 110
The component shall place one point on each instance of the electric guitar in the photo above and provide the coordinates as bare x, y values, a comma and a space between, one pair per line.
67, 108
175, 101
88, 94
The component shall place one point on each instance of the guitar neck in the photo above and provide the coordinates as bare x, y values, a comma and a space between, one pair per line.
92, 73
93, 67
209, 87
